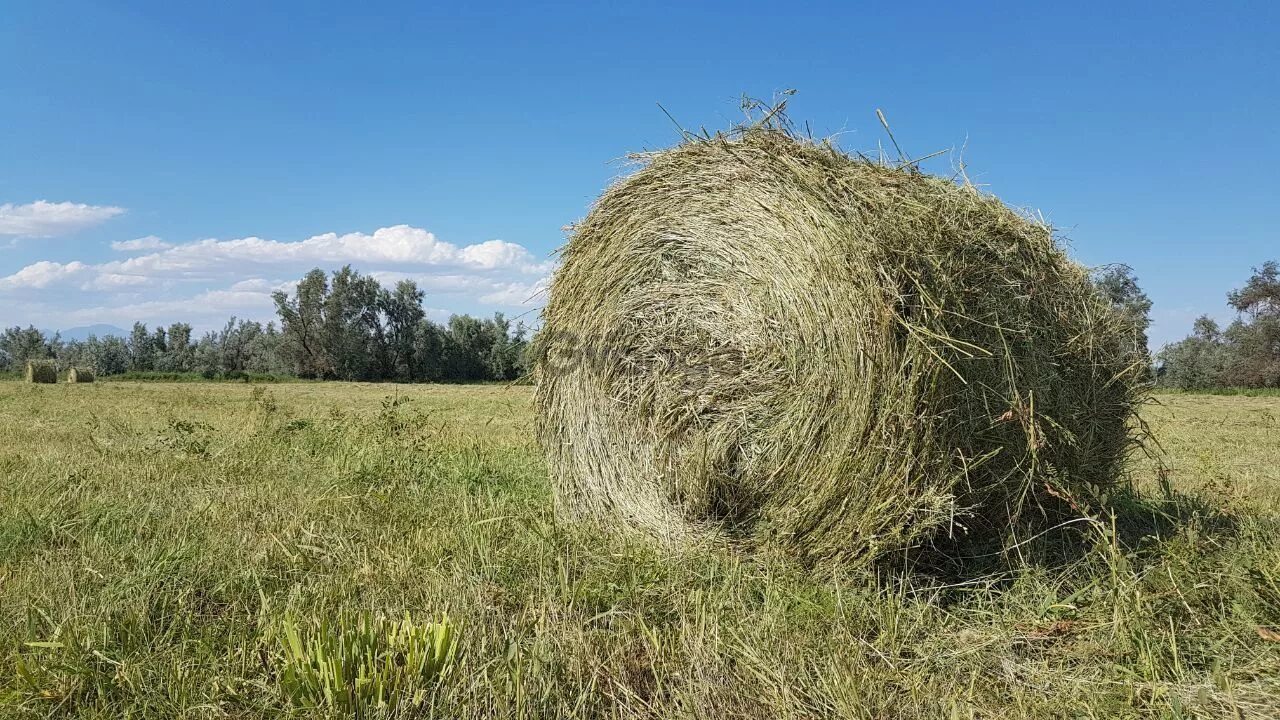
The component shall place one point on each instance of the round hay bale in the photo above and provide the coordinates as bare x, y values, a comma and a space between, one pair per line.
79, 375
760, 338
41, 371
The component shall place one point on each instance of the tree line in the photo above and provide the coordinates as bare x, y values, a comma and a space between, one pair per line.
346, 326
1245, 354
343, 326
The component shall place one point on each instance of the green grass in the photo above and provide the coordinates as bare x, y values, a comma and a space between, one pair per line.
1250, 392
177, 377
161, 543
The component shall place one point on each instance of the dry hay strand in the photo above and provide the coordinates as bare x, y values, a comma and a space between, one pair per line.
41, 371
79, 375
758, 338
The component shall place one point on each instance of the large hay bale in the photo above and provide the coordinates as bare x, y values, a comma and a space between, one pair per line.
79, 375
41, 371
756, 337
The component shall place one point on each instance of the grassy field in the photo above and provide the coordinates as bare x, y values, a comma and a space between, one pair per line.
203, 550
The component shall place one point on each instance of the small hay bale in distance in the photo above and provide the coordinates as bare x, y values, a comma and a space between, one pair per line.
80, 375
759, 338
41, 371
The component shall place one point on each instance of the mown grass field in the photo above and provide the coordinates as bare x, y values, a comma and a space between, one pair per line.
159, 542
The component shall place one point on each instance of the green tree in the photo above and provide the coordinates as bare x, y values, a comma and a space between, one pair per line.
1260, 297
506, 355
1254, 338
1119, 286
428, 351
23, 344
235, 344
302, 324
1198, 361
264, 352
332, 327
353, 335
142, 348
206, 358
180, 355
108, 355
72, 354
466, 346
402, 308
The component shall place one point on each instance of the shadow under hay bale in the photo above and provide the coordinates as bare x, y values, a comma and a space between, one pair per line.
39, 371
759, 339
80, 375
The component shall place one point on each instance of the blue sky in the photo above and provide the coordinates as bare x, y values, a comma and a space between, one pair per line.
176, 161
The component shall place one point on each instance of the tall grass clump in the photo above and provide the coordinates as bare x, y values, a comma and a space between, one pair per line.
41, 371
361, 663
759, 338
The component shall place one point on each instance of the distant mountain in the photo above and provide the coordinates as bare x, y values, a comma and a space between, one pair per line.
101, 330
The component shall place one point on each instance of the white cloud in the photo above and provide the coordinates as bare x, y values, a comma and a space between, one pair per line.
114, 281
45, 219
402, 247
500, 254
42, 274
435, 282
399, 246
518, 294
259, 285
45, 274
150, 242
205, 281
205, 310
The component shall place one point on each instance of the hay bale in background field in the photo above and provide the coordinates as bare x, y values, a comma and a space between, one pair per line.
41, 371
79, 375
760, 338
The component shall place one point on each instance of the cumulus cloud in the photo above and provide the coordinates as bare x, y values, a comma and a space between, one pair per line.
113, 281
42, 274
45, 219
150, 242
518, 294
205, 310
400, 246
212, 278
498, 254
46, 274
259, 285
